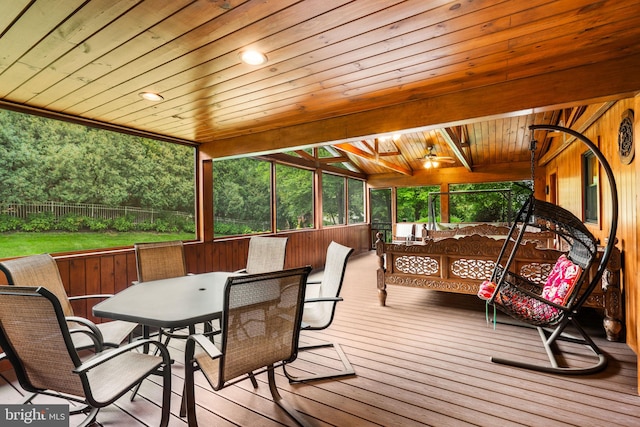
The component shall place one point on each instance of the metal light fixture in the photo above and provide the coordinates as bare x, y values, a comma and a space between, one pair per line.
430, 163
151, 96
253, 57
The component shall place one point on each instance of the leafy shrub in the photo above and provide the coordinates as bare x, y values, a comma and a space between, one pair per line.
97, 224
189, 227
10, 223
123, 223
162, 226
70, 222
45, 221
228, 229
146, 226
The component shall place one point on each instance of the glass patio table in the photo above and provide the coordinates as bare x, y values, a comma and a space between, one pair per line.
169, 303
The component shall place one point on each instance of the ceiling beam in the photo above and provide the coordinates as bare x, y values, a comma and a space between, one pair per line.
514, 171
581, 125
374, 158
287, 159
586, 84
453, 141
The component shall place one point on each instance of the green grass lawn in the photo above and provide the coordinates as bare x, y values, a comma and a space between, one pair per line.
22, 243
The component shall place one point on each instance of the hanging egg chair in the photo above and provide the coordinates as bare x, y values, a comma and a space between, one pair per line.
552, 305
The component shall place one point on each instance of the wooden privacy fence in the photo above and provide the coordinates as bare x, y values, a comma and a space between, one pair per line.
90, 210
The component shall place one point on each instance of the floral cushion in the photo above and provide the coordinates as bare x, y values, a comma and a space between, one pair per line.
561, 281
486, 289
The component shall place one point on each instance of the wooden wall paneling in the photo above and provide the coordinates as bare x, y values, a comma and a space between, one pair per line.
64, 267
111, 272
120, 272
93, 284
107, 275
214, 255
77, 282
632, 272
191, 258
132, 270
607, 130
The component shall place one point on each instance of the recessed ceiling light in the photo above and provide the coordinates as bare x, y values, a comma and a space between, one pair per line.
253, 57
151, 96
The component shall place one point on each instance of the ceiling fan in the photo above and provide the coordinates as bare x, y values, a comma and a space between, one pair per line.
433, 161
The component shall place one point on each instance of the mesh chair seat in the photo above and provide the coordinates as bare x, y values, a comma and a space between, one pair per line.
265, 254
160, 260
42, 270
260, 329
319, 309
35, 336
163, 260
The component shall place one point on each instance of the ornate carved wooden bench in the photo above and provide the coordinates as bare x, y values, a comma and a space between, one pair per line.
543, 239
459, 265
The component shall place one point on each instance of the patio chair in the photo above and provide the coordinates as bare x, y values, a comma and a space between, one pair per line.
404, 231
260, 329
265, 254
160, 260
42, 270
321, 299
37, 341
163, 260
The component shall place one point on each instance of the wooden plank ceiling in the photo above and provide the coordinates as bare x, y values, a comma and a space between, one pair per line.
327, 60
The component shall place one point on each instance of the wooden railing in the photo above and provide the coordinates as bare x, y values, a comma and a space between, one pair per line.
111, 271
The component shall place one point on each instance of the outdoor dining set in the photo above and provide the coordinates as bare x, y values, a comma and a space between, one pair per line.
236, 325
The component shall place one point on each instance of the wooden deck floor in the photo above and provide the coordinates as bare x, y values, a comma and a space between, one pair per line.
422, 360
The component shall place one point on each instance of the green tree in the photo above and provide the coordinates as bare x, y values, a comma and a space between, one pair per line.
332, 199
242, 192
413, 203
49, 160
294, 197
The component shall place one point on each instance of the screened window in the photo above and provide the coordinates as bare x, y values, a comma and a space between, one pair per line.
487, 202
590, 187
241, 197
68, 187
355, 189
333, 200
294, 198
380, 213
412, 203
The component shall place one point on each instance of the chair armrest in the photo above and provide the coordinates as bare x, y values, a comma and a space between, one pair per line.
92, 330
103, 357
95, 296
206, 345
323, 299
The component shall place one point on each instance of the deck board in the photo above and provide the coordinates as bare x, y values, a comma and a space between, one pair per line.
423, 360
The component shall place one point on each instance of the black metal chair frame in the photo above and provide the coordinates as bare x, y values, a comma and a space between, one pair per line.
261, 291
58, 381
